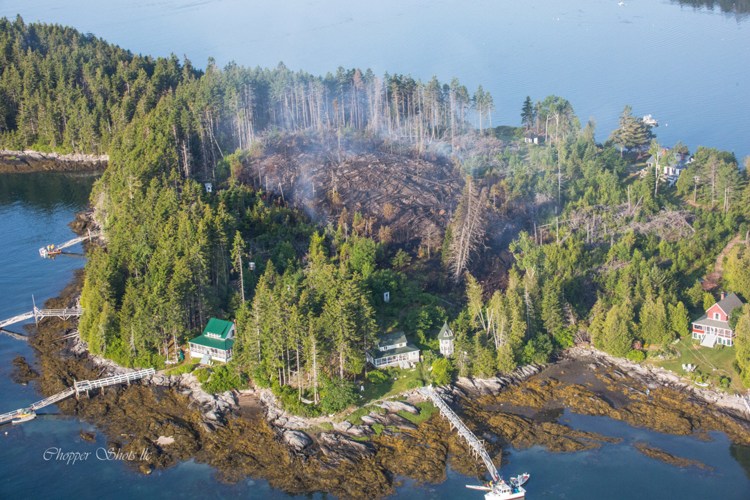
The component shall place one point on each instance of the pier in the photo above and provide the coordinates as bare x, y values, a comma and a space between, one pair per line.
78, 387
38, 314
475, 444
53, 250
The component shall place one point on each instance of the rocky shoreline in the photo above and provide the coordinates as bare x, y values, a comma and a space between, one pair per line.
35, 161
659, 377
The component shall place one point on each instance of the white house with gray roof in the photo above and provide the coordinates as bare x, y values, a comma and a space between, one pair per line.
393, 350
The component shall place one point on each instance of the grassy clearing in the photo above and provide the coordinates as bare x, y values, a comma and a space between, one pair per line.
186, 366
398, 381
714, 362
426, 410
355, 417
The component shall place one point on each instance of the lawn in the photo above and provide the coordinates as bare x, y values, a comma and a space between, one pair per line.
398, 381
712, 362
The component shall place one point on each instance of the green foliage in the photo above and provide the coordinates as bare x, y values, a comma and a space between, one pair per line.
742, 345
336, 394
290, 401
654, 328
636, 356
223, 379
62, 90
377, 376
565, 338
202, 374
708, 301
632, 132
442, 371
679, 319
737, 270
401, 260
616, 334
538, 350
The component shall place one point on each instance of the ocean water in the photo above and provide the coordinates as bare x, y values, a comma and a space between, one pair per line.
687, 67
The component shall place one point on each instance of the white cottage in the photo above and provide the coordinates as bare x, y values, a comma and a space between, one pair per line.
216, 342
393, 350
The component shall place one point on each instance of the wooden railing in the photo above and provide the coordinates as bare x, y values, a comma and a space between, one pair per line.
475, 444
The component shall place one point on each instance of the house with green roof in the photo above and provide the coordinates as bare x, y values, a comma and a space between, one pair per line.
393, 350
216, 342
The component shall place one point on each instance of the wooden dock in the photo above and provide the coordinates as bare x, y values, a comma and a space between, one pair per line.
52, 250
78, 387
38, 314
475, 444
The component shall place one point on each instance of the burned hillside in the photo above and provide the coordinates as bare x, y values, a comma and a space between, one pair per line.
399, 198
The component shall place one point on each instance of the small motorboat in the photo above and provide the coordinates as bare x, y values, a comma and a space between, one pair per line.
502, 490
520, 479
49, 251
23, 417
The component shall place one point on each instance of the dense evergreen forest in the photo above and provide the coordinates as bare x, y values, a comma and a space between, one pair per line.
601, 250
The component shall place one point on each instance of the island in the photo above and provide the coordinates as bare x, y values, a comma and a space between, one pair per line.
298, 255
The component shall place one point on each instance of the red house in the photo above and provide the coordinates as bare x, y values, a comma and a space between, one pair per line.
713, 326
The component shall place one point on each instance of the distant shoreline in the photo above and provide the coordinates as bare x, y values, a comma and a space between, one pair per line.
28, 161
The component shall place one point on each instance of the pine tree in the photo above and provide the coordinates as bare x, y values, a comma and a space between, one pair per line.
632, 133
552, 309
527, 114
617, 331
679, 319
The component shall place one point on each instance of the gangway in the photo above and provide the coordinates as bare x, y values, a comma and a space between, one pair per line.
53, 250
78, 387
38, 314
475, 444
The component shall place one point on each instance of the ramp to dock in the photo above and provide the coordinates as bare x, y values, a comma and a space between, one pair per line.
78, 387
476, 445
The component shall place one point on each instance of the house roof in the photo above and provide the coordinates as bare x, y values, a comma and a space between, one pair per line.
445, 333
393, 352
224, 345
392, 339
706, 321
218, 327
729, 303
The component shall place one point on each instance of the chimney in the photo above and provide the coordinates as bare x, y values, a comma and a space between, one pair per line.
723, 295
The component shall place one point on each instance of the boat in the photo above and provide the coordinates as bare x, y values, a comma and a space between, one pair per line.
502, 490
23, 417
650, 121
49, 251
520, 479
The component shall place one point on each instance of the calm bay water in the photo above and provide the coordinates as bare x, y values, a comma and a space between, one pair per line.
688, 67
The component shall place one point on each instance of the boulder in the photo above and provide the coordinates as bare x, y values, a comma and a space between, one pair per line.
342, 426
396, 406
338, 447
297, 440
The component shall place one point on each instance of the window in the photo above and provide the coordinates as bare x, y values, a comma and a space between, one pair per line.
717, 316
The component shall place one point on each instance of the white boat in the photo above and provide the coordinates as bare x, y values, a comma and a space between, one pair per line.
501, 490
650, 121
504, 491
520, 479
23, 417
